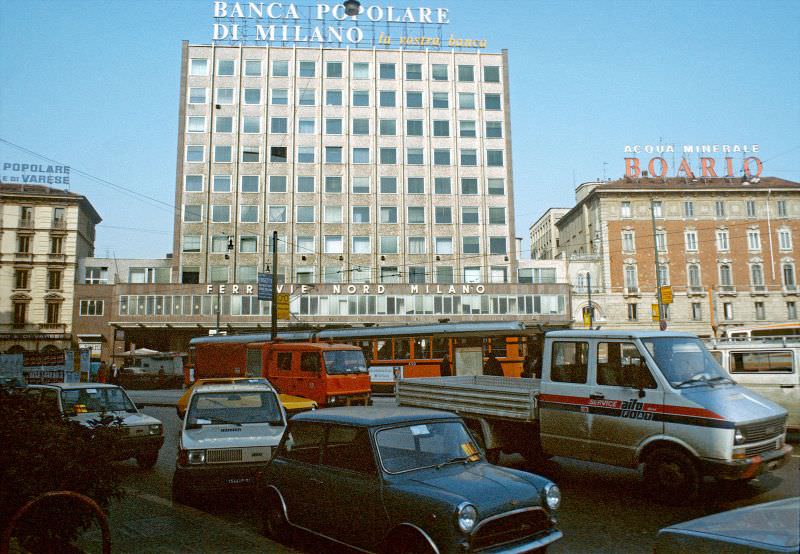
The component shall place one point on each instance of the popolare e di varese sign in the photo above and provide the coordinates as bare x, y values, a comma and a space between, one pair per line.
281, 22
708, 155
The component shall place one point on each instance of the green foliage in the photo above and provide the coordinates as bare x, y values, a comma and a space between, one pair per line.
43, 451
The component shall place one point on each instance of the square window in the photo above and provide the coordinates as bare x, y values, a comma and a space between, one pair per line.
360, 155
252, 68
439, 72
469, 185
441, 185
223, 124
220, 214
250, 183
278, 154
225, 67
491, 74
197, 96
414, 156
360, 98
471, 245
307, 69
333, 126
192, 213
248, 274
305, 214
388, 155
333, 97
191, 243
416, 185
304, 244
361, 126
416, 245
496, 187
197, 124
251, 124
413, 72
252, 96
466, 100
198, 66
360, 70
469, 157
494, 158
466, 73
467, 128
497, 245
280, 68
388, 99
441, 156
388, 127
333, 214
225, 96
491, 102
443, 245
443, 214
333, 154
248, 214
306, 126
441, 128
193, 183
389, 245
388, 214
333, 69
416, 214
388, 185
469, 215
305, 183
413, 99
387, 71
250, 154
361, 245
307, 97
440, 100
222, 183
494, 129
414, 127
360, 185
360, 214
279, 125
280, 96
497, 216
334, 244
305, 154
333, 184
222, 154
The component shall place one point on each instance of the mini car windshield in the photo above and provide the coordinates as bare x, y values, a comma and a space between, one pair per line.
423, 445
344, 361
238, 408
686, 362
96, 400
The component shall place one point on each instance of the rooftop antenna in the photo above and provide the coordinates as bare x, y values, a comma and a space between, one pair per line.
604, 170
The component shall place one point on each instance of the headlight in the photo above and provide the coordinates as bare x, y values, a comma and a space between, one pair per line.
197, 457
552, 496
155, 429
738, 437
467, 517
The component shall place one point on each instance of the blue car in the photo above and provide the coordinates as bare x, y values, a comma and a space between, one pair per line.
401, 480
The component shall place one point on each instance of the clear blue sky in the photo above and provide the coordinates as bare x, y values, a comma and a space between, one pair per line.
95, 84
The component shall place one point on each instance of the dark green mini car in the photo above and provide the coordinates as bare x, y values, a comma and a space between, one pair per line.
402, 480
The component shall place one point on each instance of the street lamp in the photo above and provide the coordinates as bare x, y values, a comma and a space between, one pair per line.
219, 292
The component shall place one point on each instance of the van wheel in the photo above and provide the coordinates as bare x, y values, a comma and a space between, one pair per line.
274, 522
147, 460
672, 476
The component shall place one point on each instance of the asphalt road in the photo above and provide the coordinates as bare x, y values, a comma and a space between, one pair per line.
604, 509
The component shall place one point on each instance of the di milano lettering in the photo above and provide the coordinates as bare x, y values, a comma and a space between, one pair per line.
350, 289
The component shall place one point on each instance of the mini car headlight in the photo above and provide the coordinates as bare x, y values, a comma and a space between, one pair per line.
738, 437
467, 517
155, 429
197, 457
552, 496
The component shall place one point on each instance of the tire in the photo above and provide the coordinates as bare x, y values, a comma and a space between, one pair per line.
147, 460
672, 476
274, 522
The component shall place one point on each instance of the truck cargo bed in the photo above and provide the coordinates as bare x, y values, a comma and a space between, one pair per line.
499, 397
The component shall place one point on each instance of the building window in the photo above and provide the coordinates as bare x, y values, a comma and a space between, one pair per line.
20, 314
497, 245
251, 154
497, 216
278, 125
788, 277
693, 272
306, 126
192, 213
305, 214
466, 73
308, 69
491, 74
388, 185
782, 212
197, 95
333, 69
361, 126
416, 274
361, 245
625, 209
760, 311
494, 129
252, 96
91, 307
441, 128
56, 245
332, 274
414, 156
697, 311
390, 274
388, 156
333, 97
657, 208
387, 99
688, 208
360, 98
472, 274
441, 156
96, 276
333, 154
220, 214
360, 70
466, 101
630, 278
439, 72
791, 310
250, 183
416, 245
278, 154
333, 126
719, 208
21, 278
413, 99
753, 239
413, 72
469, 157
443, 214
193, 183
691, 241
750, 206
440, 100
663, 274
252, 68
248, 214
444, 274
386, 71
470, 215
389, 245
470, 245
53, 313
469, 185
443, 245
725, 277
388, 214
333, 184
467, 128
494, 158
628, 244
661, 240
360, 185
414, 127
305, 154
277, 214
491, 102
191, 243
387, 127
334, 244
225, 68
304, 244
757, 277
219, 245
307, 97
332, 214
784, 239
195, 153
722, 239
221, 183
190, 275
304, 275
496, 187
632, 312
727, 310
360, 214
198, 66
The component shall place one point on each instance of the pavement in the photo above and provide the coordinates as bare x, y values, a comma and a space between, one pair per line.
164, 398
144, 523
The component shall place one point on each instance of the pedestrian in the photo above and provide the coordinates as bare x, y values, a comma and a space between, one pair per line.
444, 366
492, 366
102, 373
533, 362
114, 374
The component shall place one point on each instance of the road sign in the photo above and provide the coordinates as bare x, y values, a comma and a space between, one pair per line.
656, 315
666, 294
283, 306
265, 286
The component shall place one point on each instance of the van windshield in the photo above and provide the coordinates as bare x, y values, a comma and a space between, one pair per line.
340, 362
685, 361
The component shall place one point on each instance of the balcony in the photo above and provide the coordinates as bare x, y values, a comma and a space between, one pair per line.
56, 257
789, 289
695, 290
26, 223
727, 290
631, 291
758, 290
59, 224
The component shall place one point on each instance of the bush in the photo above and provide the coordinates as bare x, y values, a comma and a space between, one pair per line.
43, 451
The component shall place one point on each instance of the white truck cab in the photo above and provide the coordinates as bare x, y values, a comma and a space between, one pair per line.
228, 437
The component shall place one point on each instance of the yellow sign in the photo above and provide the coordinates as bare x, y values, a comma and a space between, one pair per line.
283, 306
656, 315
587, 321
666, 294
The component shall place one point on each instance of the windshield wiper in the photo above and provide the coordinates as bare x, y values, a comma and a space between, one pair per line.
215, 420
700, 378
720, 378
457, 459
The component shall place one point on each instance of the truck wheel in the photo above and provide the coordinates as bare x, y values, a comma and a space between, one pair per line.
147, 460
274, 522
672, 476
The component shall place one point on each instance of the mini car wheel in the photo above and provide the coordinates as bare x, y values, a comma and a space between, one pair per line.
147, 460
672, 476
275, 524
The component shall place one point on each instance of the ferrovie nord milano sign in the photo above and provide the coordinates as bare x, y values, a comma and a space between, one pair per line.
713, 160
327, 23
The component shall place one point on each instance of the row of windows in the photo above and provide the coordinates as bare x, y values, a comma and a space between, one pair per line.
335, 69
358, 98
333, 126
333, 184
359, 155
359, 244
423, 304
25, 243
221, 213
720, 209
52, 315
725, 277
722, 240
23, 281
697, 311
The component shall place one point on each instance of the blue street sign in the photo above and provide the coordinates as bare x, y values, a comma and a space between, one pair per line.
265, 286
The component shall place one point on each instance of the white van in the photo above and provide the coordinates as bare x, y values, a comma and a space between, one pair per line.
768, 366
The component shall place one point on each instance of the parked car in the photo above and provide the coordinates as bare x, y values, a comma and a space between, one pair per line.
402, 480
292, 404
228, 436
769, 527
88, 402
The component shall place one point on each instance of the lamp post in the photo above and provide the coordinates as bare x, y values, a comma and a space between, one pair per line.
219, 290
591, 308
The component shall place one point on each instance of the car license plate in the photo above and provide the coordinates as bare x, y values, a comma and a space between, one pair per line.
239, 481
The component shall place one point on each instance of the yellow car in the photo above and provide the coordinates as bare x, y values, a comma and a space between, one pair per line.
292, 404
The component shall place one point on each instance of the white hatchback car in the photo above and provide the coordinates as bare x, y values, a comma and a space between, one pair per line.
229, 435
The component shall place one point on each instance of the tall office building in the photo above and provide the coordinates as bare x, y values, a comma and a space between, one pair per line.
373, 166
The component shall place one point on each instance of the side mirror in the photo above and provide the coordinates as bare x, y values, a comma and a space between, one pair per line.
139, 405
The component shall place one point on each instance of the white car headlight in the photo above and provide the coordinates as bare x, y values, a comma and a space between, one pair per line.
155, 429
738, 437
197, 457
552, 496
467, 517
